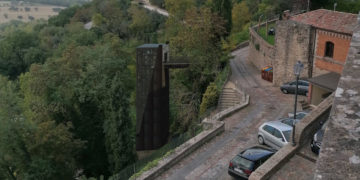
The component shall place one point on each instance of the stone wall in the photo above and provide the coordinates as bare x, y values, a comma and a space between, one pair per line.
294, 42
340, 151
261, 53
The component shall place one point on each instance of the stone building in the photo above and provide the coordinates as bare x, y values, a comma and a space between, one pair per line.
320, 39
332, 36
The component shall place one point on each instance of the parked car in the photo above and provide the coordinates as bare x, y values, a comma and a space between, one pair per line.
271, 31
303, 87
246, 162
275, 134
317, 140
289, 121
299, 115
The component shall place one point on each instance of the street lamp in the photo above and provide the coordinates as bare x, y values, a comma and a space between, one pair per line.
297, 71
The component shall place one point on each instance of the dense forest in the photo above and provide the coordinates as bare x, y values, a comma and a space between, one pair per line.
67, 106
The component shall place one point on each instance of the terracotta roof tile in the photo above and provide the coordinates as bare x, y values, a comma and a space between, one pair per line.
329, 20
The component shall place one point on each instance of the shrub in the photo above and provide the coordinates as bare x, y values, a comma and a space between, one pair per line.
209, 98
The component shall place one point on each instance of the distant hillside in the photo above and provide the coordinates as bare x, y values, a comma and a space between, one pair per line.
56, 2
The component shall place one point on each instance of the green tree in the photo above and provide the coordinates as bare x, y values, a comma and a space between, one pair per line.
33, 148
15, 51
223, 8
240, 16
198, 40
63, 17
89, 87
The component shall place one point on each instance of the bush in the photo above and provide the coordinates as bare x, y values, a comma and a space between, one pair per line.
209, 98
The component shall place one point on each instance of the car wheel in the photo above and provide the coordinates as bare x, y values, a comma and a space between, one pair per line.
261, 140
284, 91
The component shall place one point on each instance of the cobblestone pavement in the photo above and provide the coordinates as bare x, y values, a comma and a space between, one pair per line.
266, 103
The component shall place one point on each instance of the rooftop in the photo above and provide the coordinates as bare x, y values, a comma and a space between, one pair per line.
329, 20
327, 81
279, 125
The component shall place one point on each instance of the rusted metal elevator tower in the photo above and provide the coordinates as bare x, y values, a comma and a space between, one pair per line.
152, 95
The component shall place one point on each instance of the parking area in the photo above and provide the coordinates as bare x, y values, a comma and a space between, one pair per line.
267, 103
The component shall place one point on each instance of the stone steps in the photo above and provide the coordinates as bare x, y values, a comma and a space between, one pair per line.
229, 97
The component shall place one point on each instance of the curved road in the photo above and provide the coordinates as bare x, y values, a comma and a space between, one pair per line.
266, 103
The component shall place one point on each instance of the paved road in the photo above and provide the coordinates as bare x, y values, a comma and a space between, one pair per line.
266, 103
147, 5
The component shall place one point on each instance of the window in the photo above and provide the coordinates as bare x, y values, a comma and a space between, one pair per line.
277, 134
268, 129
329, 49
287, 135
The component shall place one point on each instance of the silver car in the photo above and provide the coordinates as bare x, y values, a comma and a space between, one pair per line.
274, 134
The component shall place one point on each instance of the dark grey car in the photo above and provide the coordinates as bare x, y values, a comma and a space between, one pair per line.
244, 163
290, 87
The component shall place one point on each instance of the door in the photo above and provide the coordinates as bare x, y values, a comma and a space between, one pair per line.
278, 139
268, 131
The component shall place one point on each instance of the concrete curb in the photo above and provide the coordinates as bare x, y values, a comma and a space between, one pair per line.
213, 127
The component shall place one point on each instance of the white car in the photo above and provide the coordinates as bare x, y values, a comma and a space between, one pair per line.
274, 134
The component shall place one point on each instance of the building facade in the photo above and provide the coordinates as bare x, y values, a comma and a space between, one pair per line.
320, 39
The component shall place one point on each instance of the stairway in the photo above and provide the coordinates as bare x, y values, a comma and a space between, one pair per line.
229, 97
304, 104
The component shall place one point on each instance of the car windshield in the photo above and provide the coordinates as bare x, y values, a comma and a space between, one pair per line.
287, 135
287, 121
242, 162
300, 116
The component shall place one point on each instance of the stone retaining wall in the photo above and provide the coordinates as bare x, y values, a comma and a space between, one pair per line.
261, 53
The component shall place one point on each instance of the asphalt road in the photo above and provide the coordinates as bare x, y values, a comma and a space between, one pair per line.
146, 4
266, 103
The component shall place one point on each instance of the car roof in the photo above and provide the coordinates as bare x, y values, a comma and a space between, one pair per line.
303, 80
255, 153
279, 125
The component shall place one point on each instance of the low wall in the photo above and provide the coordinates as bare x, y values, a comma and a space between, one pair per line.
213, 126
261, 53
304, 130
